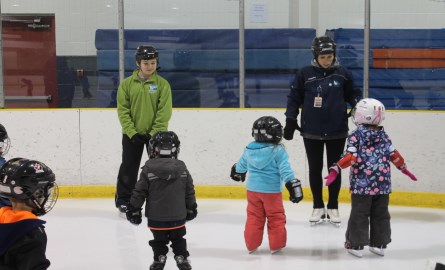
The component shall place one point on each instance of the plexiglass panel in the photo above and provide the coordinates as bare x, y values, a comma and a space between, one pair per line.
62, 54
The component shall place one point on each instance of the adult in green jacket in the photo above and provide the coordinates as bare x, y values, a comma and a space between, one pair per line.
144, 107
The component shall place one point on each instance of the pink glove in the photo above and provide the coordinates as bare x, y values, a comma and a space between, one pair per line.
331, 177
410, 175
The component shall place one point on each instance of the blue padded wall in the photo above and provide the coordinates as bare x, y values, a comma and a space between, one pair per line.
204, 63
397, 88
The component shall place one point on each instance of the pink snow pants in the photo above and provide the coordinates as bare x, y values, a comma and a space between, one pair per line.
262, 206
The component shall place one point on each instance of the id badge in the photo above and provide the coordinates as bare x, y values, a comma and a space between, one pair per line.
318, 101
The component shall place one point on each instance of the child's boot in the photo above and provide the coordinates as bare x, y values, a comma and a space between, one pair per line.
159, 263
182, 263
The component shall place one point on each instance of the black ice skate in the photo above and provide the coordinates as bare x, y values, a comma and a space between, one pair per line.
182, 263
159, 264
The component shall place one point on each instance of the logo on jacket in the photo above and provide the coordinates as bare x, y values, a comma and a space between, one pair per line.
152, 88
336, 84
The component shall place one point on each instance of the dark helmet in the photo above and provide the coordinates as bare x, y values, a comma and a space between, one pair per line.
145, 52
30, 181
267, 129
5, 142
3, 133
164, 144
323, 45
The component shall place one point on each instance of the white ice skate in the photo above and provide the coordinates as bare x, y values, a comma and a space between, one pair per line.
356, 252
333, 216
318, 216
377, 251
273, 251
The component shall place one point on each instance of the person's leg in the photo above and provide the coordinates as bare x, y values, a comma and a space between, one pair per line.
160, 249
357, 233
128, 171
159, 243
276, 220
334, 150
179, 246
380, 233
256, 218
178, 242
314, 152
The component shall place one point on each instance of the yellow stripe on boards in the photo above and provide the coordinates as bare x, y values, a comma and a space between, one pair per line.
400, 198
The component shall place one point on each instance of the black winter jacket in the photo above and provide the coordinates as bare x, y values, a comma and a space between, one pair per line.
336, 88
23, 245
166, 187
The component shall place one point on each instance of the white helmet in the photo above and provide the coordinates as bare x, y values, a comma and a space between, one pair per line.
368, 111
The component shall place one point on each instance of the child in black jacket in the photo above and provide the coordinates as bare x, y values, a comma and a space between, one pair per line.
166, 187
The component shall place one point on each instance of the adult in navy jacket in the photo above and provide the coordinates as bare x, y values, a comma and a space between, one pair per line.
322, 90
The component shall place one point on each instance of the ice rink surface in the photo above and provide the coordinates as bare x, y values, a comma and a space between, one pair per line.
89, 234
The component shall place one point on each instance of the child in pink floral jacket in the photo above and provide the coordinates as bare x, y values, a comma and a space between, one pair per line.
369, 153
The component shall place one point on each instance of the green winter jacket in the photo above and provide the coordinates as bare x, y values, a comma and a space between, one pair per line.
144, 107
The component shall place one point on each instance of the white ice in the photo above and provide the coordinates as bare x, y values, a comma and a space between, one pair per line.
89, 234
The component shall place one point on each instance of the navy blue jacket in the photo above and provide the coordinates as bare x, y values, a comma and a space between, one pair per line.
22, 244
336, 88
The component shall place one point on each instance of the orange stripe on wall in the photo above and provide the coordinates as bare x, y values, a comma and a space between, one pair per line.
408, 53
408, 63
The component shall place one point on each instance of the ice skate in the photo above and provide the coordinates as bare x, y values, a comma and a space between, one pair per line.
333, 217
354, 250
182, 263
380, 250
159, 264
273, 251
377, 251
318, 216
122, 210
253, 250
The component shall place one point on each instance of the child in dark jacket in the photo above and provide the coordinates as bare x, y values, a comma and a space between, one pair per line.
5, 143
369, 153
31, 188
166, 187
267, 162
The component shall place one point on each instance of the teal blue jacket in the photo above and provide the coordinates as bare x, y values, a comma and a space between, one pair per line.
267, 165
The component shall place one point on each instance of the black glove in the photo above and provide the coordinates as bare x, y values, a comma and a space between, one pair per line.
295, 191
147, 138
192, 213
237, 176
134, 215
138, 139
289, 129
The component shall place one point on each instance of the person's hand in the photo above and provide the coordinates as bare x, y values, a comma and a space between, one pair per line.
236, 176
290, 127
295, 191
138, 139
192, 213
134, 215
408, 173
333, 172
